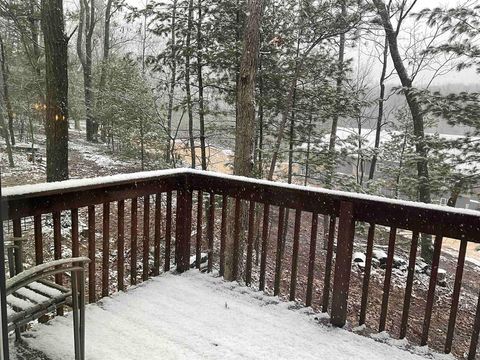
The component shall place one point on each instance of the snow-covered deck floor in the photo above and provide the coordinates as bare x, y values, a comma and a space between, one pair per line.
197, 316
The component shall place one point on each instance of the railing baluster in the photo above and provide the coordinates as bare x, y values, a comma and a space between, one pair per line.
328, 263
388, 278
223, 234
75, 239
251, 228
183, 231
475, 332
210, 230
456, 295
278, 260
57, 243
343, 264
157, 235
57, 250
409, 285
198, 242
236, 237
91, 254
168, 232
431, 288
296, 240
17, 227
263, 256
366, 274
17, 232
106, 249
311, 259
133, 241
146, 237
37, 229
121, 246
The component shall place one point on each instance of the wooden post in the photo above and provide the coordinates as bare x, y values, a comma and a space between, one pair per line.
183, 228
343, 264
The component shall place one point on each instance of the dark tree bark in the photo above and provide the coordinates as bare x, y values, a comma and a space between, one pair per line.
307, 156
187, 83
103, 74
6, 137
245, 127
87, 25
381, 101
56, 77
173, 81
259, 148
417, 117
244, 135
201, 104
34, 21
6, 91
455, 192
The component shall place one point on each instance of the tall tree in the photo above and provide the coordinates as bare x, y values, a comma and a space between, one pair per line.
245, 128
413, 105
331, 164
56, 76
381, 106
173, 82
187, 82
106, 55
86, 26
244, 135
321, 22
201, 102
6, 90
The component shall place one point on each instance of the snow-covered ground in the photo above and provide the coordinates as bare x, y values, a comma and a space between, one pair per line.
197, 316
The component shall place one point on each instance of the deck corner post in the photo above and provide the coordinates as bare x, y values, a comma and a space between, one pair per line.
183, 226
343, 261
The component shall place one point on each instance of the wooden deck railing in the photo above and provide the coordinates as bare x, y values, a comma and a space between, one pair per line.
169, 203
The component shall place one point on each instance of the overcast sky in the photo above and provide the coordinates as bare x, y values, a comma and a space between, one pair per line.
360, 53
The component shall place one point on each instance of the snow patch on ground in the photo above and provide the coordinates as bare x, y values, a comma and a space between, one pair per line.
197, 316
91, 153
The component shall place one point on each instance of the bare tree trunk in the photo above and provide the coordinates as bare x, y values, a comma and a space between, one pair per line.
6, 92
360, 162
187, 84
103, 74
259, 148
455, 192
331, 160
417, 117
34, 22
201, 105
87, 25
283, 122
142, 145
307, 157
56, 76
173, 81
381, 101
244, 134
6, 136
400, 164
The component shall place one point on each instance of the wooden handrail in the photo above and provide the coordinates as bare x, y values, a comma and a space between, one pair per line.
25, 201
